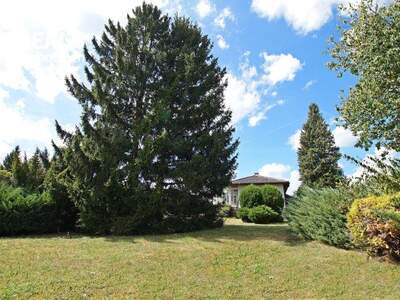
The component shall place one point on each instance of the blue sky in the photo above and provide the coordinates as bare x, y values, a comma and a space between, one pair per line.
274, 52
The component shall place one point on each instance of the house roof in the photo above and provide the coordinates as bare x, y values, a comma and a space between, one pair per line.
258, 179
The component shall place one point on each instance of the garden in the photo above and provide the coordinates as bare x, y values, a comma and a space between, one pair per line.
121, 207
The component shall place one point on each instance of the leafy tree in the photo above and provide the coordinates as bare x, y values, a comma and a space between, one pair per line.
155, 142
368, 48
317, 155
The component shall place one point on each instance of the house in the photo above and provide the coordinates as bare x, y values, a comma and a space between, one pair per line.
232, 192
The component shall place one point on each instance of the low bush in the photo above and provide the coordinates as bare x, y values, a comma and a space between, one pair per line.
251, 196
320, 214
5, 176
227, 211
263, 215
243, 214
272, 197
374, 224
22, 213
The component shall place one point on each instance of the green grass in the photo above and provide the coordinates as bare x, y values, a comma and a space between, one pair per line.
237, 261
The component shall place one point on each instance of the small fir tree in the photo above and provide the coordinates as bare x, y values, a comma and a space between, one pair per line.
317, 155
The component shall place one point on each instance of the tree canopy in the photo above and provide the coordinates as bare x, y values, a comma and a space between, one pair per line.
368, 47
317, 155
155, 143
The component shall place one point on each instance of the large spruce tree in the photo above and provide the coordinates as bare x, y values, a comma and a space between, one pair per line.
317, 155
155, 142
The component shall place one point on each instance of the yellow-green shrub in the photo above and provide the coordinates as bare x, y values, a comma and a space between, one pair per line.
369, 229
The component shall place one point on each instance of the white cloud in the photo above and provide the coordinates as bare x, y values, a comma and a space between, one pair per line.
204, 8
17, 127
344, 137
42, 43
309, 84
304, 16
221, 42
255, 119
281, 171
245, 93
294, 140
281, 67
224, 15
275, 170
240, 98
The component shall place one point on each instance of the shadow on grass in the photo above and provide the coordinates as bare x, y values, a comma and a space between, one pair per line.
229, 232
274, 232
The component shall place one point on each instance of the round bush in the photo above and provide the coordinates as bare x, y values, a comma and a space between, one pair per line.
263, 215
369, 228
251, 196
272, 197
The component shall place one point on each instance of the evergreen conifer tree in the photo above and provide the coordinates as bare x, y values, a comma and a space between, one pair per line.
8, 159
155, 143
36, 172
317, 155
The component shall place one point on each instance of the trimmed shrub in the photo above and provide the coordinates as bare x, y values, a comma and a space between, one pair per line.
22, 213
263, 215
373, 224
272, 197
243, 214
251, 196
320, 215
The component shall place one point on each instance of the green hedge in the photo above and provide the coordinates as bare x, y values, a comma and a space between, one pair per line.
263, 215
22, 213
320, 215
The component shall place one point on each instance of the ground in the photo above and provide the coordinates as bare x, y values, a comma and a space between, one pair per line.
237, 261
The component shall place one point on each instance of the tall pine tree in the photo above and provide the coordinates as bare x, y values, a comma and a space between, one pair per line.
317, 155
155, 142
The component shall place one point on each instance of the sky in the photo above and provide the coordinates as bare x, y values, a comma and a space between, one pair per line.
275, 53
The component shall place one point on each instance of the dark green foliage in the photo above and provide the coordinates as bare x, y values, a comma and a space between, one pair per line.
27, 173
260, 205
272, 197
9, 158
22, 213
368, 48
243, 214
55, 184
155, 142
320, 215
317, 155
251, 196
263, 215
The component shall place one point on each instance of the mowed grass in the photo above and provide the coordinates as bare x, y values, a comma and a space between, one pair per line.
237, 261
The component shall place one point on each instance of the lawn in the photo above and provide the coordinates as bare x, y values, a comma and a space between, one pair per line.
237, 261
